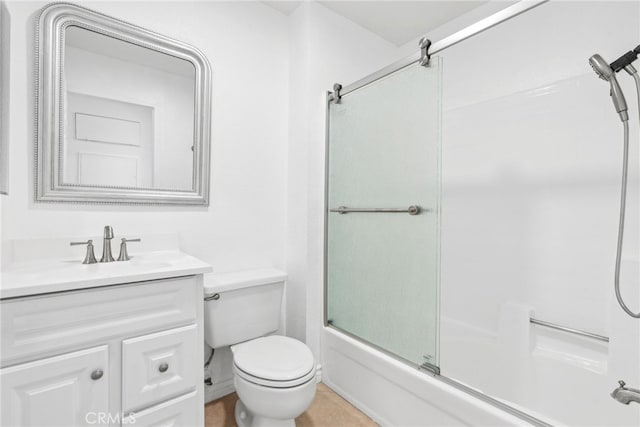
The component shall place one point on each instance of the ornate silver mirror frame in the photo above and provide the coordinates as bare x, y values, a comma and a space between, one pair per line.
51, 25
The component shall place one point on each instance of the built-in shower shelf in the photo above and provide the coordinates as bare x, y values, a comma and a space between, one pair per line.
579, 351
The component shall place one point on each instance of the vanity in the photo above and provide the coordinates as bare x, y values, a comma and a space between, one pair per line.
105, 344
122, 118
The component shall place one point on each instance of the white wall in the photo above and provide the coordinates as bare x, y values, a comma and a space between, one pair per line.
4, 107
5, 49
244, 227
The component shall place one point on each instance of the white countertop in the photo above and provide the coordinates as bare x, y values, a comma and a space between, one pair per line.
32, 278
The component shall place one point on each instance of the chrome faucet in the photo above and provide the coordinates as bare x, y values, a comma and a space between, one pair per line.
106, 245
625, 394
89, 257
124, 254
107, 255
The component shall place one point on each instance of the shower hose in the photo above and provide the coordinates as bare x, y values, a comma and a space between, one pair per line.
623, 202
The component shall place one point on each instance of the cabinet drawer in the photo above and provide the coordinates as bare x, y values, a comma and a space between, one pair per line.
49, 324
158, 366
66, 390
182, 411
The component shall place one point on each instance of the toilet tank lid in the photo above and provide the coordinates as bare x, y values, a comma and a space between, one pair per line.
221, 282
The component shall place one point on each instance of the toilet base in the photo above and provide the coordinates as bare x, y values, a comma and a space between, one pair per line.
244, 418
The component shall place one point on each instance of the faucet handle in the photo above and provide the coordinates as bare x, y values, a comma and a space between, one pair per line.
124, 255
622, 383
90, 257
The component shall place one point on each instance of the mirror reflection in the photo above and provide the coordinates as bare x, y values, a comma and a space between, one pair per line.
128, 115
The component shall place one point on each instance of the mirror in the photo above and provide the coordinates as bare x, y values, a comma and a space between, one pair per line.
128, 114
124, 113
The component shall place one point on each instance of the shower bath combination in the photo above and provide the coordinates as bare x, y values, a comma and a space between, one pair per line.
608, 72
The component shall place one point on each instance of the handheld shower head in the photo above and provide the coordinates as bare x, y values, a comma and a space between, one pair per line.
601, 67
605, 72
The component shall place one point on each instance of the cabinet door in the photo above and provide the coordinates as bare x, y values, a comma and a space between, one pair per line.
66, 390
159, 366
180, 412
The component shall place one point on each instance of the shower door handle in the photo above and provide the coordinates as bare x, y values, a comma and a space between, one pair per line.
411, 210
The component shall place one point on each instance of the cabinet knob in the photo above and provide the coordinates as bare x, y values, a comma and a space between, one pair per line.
163, 367
97, 374
212, 297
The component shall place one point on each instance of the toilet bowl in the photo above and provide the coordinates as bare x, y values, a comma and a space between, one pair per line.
275, 380
274, 376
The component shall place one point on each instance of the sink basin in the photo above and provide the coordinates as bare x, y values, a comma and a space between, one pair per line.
54, 276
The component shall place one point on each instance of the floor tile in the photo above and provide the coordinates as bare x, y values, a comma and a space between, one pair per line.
327, 410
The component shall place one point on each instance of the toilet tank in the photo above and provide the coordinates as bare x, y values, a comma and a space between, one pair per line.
242, 305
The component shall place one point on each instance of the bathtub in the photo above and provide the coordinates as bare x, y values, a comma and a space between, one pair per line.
540, 377
564, 376
393, 393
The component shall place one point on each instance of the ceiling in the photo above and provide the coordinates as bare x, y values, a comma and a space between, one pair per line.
115, 48
397, 21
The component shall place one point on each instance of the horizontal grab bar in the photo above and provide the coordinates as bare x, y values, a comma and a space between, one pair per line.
411, 210
569, 330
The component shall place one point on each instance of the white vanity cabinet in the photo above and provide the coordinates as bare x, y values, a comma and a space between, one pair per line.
122, 354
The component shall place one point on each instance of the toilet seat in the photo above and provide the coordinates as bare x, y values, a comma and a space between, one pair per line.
274, 383
274, 361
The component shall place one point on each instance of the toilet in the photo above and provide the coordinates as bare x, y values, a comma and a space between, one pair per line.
274, 376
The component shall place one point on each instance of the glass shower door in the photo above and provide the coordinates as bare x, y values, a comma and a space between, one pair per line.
382, 271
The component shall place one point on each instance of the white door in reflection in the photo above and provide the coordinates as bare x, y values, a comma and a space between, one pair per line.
108, 142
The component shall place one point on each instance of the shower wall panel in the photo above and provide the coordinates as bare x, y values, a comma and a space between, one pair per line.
531, 191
